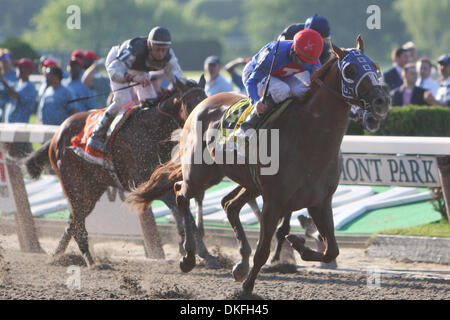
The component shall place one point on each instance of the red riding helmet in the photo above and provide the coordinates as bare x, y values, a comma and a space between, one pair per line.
308, 45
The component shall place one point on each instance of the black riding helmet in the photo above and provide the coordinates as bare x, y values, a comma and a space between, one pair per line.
159, 36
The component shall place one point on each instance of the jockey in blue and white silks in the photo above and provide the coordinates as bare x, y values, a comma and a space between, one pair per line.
295, 61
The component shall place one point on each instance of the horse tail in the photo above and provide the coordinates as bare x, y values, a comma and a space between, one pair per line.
161, 182
38, 160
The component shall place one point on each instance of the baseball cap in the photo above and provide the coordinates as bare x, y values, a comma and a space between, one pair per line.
212, 60
25, 62
444, 59
77, 54
49, 63
89, 54
76, 60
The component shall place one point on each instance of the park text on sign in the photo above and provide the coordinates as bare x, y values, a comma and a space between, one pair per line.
390, 170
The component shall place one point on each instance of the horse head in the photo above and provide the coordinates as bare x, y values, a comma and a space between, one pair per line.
359, 80
181, 100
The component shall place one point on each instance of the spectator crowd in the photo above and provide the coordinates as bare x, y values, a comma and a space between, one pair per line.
78, 85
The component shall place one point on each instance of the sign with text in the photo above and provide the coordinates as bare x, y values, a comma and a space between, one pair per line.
7, 203
390, 171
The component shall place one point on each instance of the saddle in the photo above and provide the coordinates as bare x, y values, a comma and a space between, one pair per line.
239, 112
79, 142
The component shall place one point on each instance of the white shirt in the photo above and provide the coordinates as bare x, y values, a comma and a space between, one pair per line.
443, 93
428, 84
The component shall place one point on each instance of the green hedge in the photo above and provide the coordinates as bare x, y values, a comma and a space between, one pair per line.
411, 121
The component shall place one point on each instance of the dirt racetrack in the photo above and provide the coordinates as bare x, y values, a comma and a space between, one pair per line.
127, 274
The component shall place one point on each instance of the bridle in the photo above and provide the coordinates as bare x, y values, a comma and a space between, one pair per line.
349, 87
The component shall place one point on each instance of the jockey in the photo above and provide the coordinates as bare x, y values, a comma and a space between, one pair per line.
294, 63
132, 62
322, 26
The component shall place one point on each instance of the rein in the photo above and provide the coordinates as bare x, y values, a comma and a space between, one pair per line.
322, 84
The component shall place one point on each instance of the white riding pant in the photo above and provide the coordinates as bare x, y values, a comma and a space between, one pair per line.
122, 97
280, 88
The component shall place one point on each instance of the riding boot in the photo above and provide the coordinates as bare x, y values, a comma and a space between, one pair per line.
254, 119
98, 137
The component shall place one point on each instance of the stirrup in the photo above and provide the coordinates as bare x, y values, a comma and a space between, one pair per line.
96, 144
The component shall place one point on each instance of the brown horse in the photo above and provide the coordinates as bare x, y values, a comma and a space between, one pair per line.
310, 134
140, 145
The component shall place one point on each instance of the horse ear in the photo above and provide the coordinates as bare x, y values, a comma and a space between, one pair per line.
202, 81
359, 43
180, 85
338, 51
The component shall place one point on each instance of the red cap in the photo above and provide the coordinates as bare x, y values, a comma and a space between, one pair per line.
75, 59
308, 45
49, 63
25, 62
89, 54
77, 53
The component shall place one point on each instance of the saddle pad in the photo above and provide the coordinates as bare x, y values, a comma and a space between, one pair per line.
239, 112
233, 117
79, 142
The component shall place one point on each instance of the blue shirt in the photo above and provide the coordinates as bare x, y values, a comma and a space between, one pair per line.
101, 86
11, 79
53, 107
80, 90
20, 109
220, 84
283, 67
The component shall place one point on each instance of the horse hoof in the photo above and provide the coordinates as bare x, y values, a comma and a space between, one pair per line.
212, 263
187, 264
329, 265
240, 272
296, 241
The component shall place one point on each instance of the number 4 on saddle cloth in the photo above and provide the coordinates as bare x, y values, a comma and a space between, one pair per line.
91, 155
237, 114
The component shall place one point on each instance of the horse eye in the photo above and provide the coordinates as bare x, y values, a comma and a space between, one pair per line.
350, 71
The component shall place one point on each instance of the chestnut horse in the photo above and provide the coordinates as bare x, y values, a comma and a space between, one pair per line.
140, 146
310, 133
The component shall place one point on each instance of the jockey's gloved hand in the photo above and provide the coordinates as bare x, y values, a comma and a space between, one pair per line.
143, 79
370, 122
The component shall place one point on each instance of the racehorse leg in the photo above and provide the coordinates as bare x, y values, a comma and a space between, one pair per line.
169, 200
311, 232
232, 204
65, 239
211, 261
323, 219
270, 217
83, 192
282, 232
183, 195
199, 214
255, 208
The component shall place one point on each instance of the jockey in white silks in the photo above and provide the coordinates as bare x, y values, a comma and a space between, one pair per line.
295, 61
132, 62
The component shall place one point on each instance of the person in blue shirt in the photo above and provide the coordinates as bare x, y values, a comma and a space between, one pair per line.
97, 84
294, 63
215, 82
9, 74
21, 96
74, 83
54, 107
20, 104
